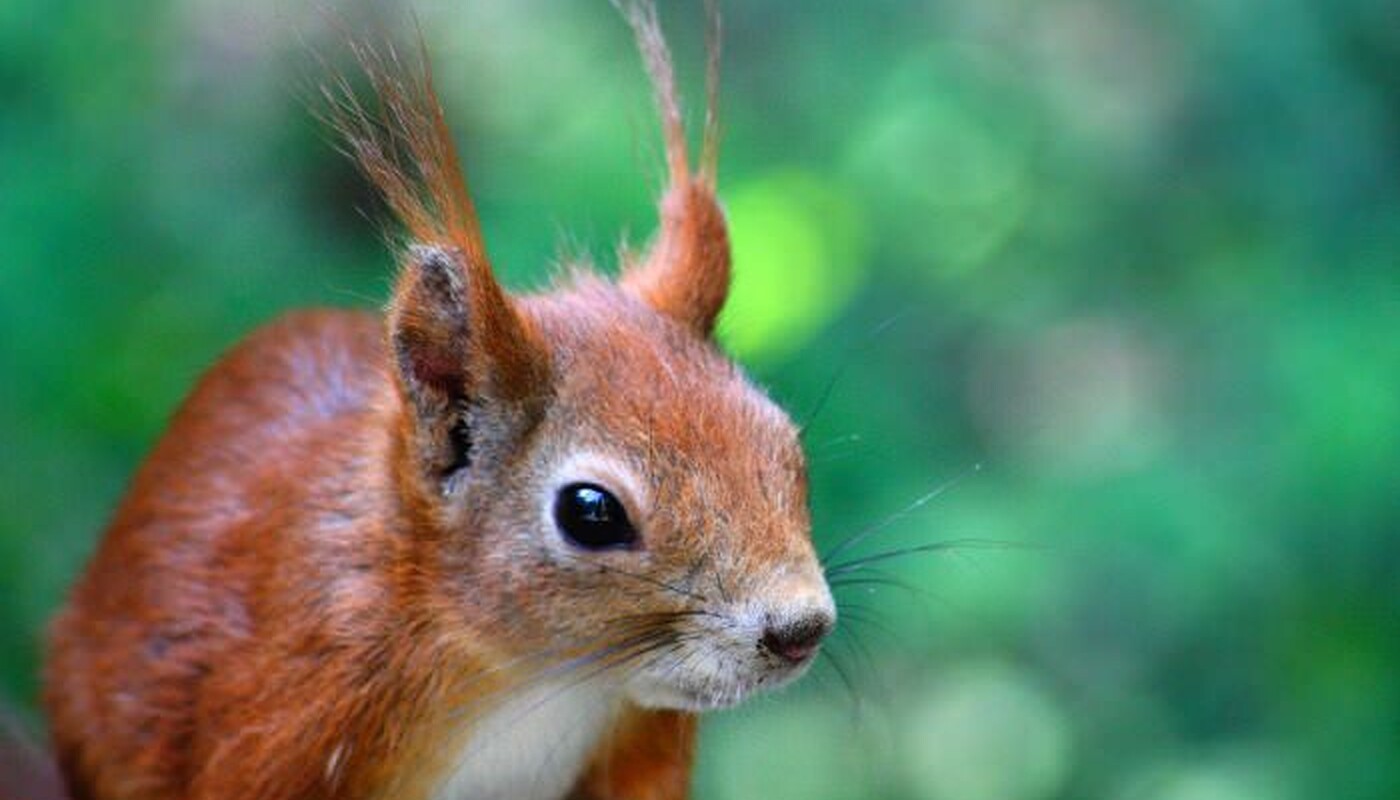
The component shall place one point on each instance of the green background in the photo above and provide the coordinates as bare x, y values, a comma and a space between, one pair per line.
1140, 261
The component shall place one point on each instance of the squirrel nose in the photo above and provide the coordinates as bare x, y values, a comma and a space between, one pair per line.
796, 640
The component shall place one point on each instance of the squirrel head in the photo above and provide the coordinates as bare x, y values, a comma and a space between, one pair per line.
591, 483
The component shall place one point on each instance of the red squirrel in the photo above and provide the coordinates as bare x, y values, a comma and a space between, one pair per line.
487, 545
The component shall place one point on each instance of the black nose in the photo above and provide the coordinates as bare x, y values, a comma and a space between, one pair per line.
796, 640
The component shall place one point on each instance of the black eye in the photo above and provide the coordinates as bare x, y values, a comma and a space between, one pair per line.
589, 516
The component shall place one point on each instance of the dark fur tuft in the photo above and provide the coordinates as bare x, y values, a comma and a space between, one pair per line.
404, 147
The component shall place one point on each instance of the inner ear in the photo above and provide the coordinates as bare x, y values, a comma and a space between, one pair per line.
430, 336
429, 321
467, 367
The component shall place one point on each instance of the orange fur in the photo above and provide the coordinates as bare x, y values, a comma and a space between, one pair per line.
338, 562
648, 757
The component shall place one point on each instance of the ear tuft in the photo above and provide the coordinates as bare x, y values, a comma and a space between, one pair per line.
685, 275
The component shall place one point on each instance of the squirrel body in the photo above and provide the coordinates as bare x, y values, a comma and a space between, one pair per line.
483, 546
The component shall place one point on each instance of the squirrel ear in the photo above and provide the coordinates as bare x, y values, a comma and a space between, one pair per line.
468, 366
685, 274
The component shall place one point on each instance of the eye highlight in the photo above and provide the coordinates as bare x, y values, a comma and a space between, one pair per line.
592, 518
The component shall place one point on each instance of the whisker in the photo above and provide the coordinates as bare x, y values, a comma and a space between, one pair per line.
855, 612
647, 579
638, 631
856, 703
839, 441
923, 500
845, 606
836, 449
681, 663
600, 663
845, 361
869, 620
861, 563
856, 645
875, 578
714, 572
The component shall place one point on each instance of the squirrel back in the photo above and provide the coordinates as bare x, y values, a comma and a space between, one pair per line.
487, 545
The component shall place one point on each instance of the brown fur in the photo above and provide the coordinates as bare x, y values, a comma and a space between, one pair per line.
647, 758
332, 564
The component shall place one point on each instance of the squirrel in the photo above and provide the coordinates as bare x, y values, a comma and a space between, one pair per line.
486, 545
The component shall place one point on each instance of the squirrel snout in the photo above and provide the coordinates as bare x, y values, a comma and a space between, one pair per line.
796, 639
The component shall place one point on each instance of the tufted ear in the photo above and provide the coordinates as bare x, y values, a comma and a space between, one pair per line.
685, 273
470, 369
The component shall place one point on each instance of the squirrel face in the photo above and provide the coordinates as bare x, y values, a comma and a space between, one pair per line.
634, 508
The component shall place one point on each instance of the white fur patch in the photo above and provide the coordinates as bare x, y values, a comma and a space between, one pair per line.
534, 745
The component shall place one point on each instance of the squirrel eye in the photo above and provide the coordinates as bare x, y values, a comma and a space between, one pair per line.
591, 517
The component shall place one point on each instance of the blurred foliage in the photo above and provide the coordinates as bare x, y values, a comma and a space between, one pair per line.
1138, 259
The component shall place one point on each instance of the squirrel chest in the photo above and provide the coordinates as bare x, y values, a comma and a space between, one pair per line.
533, 745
